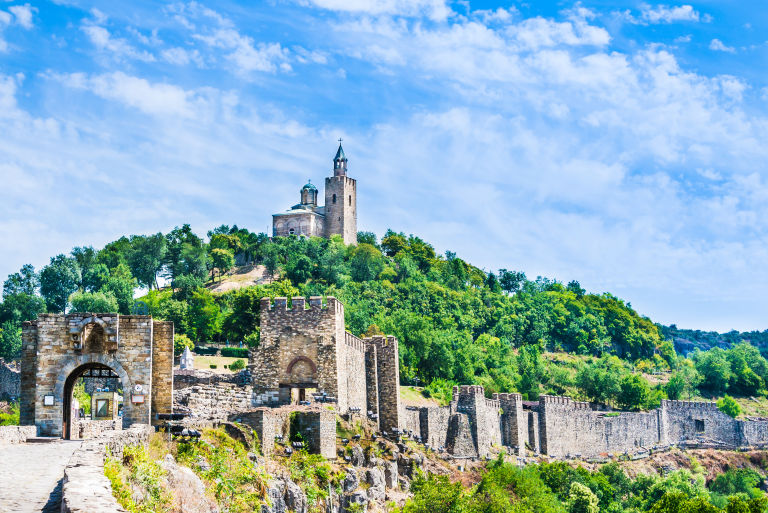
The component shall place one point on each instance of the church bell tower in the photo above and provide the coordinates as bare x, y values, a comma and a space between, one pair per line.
341, 201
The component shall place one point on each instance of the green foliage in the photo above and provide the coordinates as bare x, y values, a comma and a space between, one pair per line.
435, 494
441, 390
26, 281
181, 342
581, 499
138, 470
97, 302
83, 398
313, 474
634, 394
737, 481
237, 365
11, 418
58, 280
223, 260
729, 406
10, 340
235, 352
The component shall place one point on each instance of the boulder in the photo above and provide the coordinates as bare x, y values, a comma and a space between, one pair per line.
351, 481
359, 497
295, 500
358, 458
188, 489
390, 473
375, 478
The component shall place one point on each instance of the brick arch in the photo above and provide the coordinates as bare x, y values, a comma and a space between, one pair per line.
94, 320
81, 360
302, 359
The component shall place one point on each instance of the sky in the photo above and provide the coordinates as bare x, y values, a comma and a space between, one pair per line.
621, 144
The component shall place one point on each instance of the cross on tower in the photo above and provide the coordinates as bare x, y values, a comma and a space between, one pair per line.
340, 139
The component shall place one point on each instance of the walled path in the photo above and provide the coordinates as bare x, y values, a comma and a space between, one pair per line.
31, 474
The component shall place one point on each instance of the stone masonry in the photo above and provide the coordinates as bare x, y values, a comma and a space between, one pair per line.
305, 353
10, 381
59, 348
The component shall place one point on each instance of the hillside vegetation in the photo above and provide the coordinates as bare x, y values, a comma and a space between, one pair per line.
457, 324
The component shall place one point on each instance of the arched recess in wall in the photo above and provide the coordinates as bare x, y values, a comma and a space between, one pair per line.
302, 370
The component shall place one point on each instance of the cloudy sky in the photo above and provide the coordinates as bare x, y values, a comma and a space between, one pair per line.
622, 144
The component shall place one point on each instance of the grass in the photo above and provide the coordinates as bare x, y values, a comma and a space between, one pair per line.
205, 362
412, 396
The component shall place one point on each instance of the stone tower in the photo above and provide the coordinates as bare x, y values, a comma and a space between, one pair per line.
341, 201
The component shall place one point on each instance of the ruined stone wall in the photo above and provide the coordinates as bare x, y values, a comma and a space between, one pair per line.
299, 345
691, 420
267, 423
195, 377
433, 423
84, 429
460, 442
514, 422
484, 416
215, 401
28, 373
410, 419
162, 368
318, 428
388, 374
372, 381
355, 371
16, 434
532, 441
10, 381
572, 428
754, 433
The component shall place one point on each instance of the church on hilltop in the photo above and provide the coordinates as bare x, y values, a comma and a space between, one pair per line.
337, 216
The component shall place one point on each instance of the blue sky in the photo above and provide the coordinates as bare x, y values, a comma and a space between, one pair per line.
622, 144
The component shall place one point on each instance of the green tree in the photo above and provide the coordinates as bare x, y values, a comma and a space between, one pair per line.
299, 269
26, 281
237, 365
714, 368
367, 238
96, 302
183, 255
366, 262
582, 500
223, 260
243, 317
146, 258
729, 406
204, 316
10, 341
635, 392
181, 342
58, 280
120, 284
21, 307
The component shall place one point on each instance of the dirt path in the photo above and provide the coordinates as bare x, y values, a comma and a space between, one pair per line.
31, 474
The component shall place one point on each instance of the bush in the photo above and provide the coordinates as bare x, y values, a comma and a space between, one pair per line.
235, 352
207, 351
237, 365
180, 342
729, 406
214, 366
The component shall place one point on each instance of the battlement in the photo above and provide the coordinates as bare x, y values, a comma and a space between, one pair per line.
688, 405
563, 402
353, 342
299, 304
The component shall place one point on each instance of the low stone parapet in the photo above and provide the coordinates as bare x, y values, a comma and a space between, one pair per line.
85, 487
84, 429
16, 434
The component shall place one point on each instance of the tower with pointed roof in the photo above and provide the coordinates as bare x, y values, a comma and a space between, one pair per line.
341, 201
337, 217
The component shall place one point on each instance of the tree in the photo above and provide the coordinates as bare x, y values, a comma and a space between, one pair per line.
635, 392
714, 368
299, 269
96, 276
204, 316
96, 302
366, 263
581, 499
393, 243
179, 258
729, 406
86, 258
243, 318
531, 369
223, 260
58, 280
237, 365
21, 307
121, 285
10, 341
181, 342
146, 258
367, 238
26, 281
511, 281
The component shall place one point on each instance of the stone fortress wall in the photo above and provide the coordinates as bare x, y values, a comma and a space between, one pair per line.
563, 428
10, 381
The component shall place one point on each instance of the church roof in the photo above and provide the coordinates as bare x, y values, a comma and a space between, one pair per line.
309, 186
340, 154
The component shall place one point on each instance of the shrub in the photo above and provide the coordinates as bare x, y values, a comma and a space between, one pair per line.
237, 365
235, 352
729, 406
214, 366
181, 342
206, 351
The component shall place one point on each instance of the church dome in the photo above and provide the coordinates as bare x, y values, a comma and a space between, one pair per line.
309, 187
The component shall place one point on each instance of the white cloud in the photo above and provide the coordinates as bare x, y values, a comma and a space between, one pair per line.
683, 39
434, 9
119, 47
23, 14
182, 57
666, 14
150, 98
719, 46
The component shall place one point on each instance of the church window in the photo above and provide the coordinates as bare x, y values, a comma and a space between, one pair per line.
334, 198
291, 231
350, 200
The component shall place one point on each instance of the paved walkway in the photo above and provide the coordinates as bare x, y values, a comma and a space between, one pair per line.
31, 474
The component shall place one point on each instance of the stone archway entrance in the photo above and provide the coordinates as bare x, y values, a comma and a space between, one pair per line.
93, 373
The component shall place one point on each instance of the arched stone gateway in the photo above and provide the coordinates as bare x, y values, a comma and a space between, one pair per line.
58, 349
